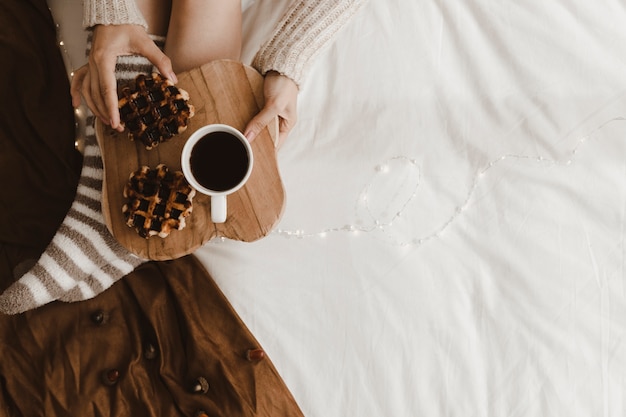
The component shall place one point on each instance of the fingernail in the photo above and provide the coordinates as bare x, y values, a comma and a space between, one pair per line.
173, 77
250, 135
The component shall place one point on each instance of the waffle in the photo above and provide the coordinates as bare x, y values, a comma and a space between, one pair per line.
154, 109
158, 201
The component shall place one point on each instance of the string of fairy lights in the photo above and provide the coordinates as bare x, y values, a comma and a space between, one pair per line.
80, 113
400, 170
404, 168
380, 225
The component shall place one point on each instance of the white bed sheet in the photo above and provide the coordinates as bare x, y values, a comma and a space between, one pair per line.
453, 239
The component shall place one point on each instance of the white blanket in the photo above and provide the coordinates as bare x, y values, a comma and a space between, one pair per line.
453, 239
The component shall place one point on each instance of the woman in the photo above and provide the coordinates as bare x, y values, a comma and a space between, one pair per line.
198, 31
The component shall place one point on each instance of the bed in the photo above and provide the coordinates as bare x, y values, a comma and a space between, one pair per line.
453, 237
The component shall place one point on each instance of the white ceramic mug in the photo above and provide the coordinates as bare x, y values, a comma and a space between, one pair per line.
217, 161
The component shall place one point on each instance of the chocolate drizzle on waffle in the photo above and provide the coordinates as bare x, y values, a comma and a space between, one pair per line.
158, 201
154, 109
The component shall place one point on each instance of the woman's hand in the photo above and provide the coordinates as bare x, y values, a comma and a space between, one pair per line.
281, 97
96, 82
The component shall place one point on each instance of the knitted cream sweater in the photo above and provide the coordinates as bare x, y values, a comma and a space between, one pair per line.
306, 27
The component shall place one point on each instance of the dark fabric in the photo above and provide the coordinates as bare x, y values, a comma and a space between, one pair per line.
161, 327
138, 348
39, 165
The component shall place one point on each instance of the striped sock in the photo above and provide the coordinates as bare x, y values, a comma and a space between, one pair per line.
83, 259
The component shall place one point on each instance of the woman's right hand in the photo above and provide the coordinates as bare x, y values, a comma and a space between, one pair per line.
281, 101
95, 81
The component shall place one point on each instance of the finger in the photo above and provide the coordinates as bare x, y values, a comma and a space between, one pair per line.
98, 106
77, 82
108, 91
259, 122
86, 92
104, 87
284, 127
161, 61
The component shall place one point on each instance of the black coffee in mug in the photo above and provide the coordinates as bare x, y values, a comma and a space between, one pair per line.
219, 161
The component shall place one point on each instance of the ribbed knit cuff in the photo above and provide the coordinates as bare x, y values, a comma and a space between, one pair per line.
301, 33
106, 12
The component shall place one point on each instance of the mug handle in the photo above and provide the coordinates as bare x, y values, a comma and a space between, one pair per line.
218, 208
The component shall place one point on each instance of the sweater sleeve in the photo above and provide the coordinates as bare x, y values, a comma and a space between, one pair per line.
112, 12
306, 27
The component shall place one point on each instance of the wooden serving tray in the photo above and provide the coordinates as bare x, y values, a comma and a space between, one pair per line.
222, 91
